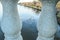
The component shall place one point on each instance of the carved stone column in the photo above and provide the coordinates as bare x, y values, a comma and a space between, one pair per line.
11, 24
47, 23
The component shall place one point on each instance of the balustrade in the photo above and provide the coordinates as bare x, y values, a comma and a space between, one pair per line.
47, 23
11, 24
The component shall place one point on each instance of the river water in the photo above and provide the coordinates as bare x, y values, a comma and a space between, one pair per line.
24, 12
27, 13
29, 18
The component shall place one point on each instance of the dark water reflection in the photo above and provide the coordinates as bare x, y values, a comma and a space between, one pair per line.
29, 17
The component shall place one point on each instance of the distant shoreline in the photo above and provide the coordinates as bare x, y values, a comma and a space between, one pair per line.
37, 5
34, 5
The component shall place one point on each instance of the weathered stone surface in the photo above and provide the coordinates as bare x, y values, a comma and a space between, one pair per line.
47, 23
11, 24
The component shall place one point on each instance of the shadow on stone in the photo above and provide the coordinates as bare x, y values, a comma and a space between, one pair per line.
1, 34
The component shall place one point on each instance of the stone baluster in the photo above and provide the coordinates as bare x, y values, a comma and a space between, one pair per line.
11, 24
47, 23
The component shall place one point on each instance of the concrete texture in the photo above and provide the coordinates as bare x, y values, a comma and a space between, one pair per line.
29, 31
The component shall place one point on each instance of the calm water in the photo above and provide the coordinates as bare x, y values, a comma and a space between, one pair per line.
29, 17
24, 12
27, 13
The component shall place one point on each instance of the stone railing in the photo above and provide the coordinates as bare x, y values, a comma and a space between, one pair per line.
47, 23
11, 24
